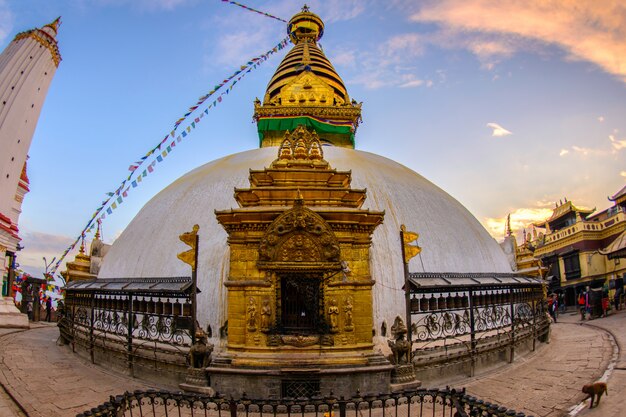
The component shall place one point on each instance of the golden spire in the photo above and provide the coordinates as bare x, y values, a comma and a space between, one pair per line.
54, 25
97, 235
306, 90
82, 244
305, 27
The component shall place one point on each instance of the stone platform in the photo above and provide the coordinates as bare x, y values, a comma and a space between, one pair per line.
10, 316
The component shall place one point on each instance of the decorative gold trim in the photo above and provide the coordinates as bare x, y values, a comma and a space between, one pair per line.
50, 45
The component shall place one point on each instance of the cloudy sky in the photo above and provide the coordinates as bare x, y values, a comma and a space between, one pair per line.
509, 106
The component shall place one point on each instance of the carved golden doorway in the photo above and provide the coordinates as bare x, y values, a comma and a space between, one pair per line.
300, 299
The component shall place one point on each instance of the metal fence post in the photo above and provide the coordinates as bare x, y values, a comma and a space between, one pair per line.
129, 338
92, 304
342, 406
512, 347
233, 407
534, 304
74, 326
472, 333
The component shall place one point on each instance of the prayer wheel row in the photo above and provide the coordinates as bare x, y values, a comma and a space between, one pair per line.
479, 298
149, 306
438, 303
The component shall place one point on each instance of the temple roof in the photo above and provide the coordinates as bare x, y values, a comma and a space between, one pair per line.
563, 210
620, 195
617, 248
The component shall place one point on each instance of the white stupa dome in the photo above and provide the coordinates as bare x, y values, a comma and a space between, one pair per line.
450, 236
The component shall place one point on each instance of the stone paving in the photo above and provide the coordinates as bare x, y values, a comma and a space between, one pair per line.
614, 404
48, 380
549, 381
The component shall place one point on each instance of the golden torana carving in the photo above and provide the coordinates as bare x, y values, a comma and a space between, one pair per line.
299, 235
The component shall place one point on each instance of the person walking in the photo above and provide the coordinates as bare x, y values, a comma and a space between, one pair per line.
582, 304
552, 306
29, 310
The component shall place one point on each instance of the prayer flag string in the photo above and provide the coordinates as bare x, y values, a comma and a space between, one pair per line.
254, 10
165, 147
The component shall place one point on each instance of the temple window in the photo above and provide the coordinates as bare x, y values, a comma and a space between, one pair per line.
571, 264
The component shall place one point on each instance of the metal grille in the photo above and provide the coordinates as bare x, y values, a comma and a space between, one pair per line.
297, 388
300, 299
414, 403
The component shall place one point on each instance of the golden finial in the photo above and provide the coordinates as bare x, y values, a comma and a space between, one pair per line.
305, 26
82, 244
97, 235
55, 24
299, 200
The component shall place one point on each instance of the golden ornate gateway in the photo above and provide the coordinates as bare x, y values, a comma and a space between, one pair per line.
299, 288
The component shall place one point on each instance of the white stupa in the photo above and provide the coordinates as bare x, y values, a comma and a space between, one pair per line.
305, 90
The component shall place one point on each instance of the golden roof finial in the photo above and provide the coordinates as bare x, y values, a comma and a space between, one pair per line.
82, 244
54, 25
97, 235
305, 26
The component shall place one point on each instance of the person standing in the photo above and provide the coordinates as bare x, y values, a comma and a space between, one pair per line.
617, 298
48, 309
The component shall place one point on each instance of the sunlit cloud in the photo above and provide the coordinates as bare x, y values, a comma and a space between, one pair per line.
390, 63
335, 11
498, 131
38, 245
522, 218
343, 58
617, 144
588, 151
586, 31
414, 83
563, 152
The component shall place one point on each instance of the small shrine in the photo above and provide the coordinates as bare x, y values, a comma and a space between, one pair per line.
300, 291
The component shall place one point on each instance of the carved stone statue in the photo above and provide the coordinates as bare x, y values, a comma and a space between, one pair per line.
266, 315
200, 352
347, 312
251, 315
333, 315
400, 347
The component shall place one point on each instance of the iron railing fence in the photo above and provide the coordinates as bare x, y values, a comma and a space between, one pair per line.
150, 319
470, 311
414, 403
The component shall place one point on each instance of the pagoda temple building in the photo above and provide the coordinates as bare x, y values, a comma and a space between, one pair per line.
577, 248
299, 266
